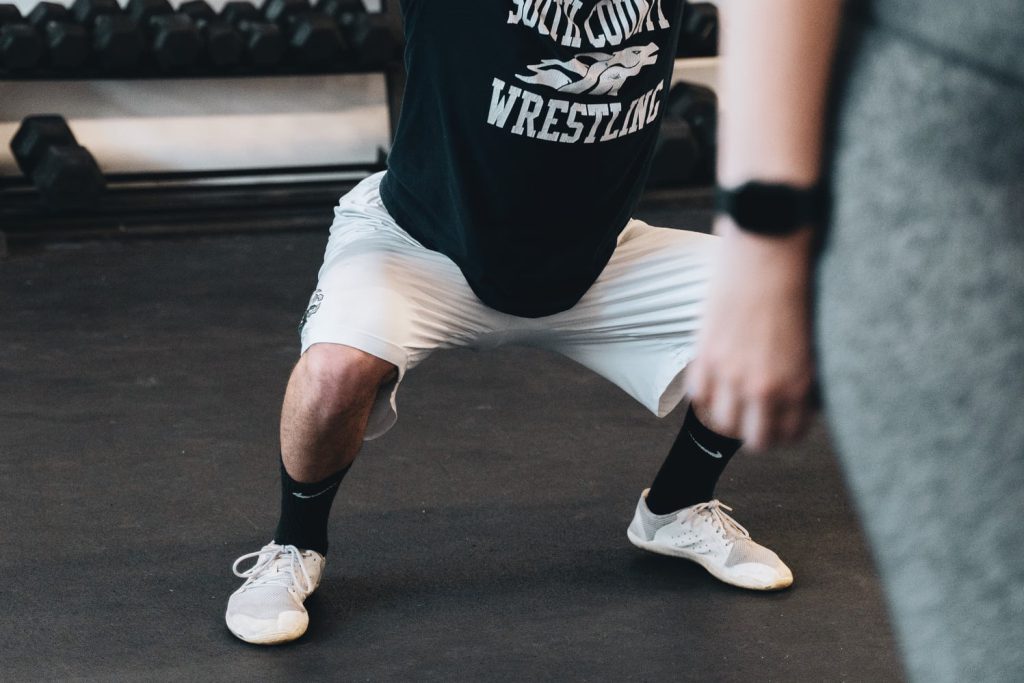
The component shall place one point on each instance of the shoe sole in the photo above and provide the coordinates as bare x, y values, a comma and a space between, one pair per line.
732, 580
253, 635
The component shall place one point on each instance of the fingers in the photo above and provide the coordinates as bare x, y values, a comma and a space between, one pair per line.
792, 421
770, 423
760, 418
758, 428
767, 404
716, 400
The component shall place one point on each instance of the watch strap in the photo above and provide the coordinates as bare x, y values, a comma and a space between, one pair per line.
772, 208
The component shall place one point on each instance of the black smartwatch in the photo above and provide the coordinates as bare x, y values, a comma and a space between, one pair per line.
771, 209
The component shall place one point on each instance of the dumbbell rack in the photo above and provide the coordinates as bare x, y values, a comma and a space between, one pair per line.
150, 204
228, 200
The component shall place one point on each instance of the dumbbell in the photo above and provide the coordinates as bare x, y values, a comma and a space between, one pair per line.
313, 37
64, 172
676, 154
117, 41
368, 37
20, 46
698, 34
224, 46
174, 39
67, 42
698, 106
264, 42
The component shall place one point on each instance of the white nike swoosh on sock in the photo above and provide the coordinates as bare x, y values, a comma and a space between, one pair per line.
713, 454
305, 497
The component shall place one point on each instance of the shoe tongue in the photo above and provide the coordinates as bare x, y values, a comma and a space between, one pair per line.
281, 563
717, 518
278, 573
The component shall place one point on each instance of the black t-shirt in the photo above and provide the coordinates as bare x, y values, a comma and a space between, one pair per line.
526, 135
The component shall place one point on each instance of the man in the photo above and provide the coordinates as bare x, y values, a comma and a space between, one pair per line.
525, 137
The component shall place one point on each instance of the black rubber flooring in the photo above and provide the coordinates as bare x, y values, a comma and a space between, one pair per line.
482, 539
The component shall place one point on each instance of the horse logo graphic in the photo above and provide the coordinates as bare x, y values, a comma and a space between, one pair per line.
314, 306
593, 73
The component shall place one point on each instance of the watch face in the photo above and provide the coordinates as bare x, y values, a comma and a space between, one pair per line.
771, 209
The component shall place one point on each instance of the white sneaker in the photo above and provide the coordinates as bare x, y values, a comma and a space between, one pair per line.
268, 609
705, 534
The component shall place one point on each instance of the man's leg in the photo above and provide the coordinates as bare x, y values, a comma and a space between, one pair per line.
326, 408
692, 468
636, 327
680, 516
382, 304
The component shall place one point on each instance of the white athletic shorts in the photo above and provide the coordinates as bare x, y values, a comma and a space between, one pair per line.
382, 292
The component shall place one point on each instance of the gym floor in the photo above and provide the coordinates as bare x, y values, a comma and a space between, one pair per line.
482, 538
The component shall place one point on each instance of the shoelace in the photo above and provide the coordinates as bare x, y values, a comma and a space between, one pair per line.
275, 566
714, 509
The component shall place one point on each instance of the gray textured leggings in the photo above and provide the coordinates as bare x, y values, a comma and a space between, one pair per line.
920, 330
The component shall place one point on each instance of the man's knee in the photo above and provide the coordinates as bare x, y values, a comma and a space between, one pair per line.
342, 379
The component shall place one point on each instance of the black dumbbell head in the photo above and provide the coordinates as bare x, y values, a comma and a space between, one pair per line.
371, 40
197, 10
224, 45
20, 46
45, 12
279, 10
86, 11
143, 10
264, 44
117, 41
698, 106
701, 20
237, 10
698, 36
676, 155
340, 8
68, 177
35, 135
177, 43
314, 38
9, 14
67, 44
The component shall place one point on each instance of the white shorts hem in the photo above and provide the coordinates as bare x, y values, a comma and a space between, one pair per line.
672, 386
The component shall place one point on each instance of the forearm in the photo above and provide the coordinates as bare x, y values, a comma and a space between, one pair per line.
754, 365
773, 80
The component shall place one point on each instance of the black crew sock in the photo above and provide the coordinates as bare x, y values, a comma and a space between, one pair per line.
305, 509
690, 472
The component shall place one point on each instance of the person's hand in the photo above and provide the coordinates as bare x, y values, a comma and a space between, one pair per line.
754, 368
